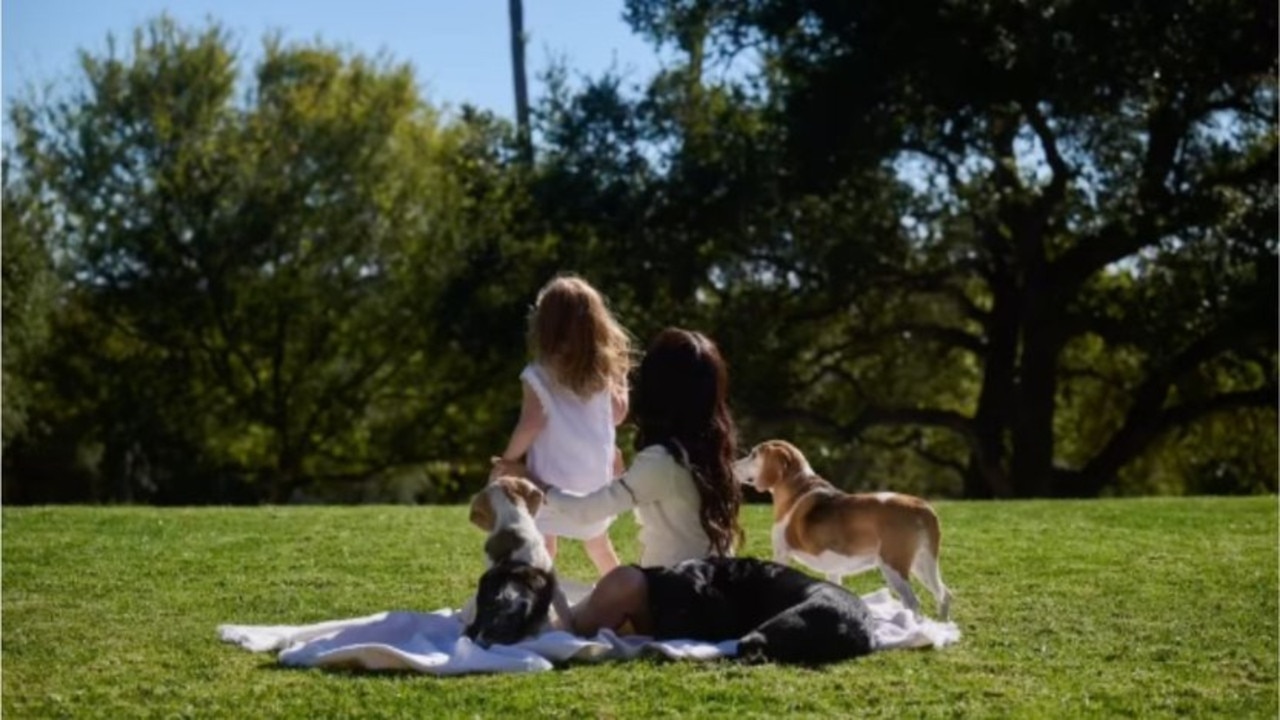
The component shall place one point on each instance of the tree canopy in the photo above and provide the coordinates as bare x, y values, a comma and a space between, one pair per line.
978, 249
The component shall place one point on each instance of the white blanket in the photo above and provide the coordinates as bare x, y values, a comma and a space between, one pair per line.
433, 642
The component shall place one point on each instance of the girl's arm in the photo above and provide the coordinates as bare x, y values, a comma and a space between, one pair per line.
620, 405
619, 468
532, 420
620, 408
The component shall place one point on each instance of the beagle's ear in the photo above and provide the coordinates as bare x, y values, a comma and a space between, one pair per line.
786, 463
776, 466
482, 511
533, 497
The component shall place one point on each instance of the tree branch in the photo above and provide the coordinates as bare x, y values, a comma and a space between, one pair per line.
1072, 373
1188, 412
1053, 194
953, 337
795, 414
949, 166
1126, 235
828, 361
913, 442
955, 466
935, 283
1148, 417
962, 425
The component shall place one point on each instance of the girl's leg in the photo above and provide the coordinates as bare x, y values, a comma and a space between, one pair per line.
601, 552
550, 542
621, 595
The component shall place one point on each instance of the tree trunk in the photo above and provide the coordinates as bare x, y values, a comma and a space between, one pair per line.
987, 476
1032, 464
286, 478
515, 10
1033, 428
1037, 388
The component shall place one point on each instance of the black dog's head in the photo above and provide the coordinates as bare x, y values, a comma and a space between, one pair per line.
512, 603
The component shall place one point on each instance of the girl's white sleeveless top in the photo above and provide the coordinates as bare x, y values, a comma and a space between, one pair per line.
574, 451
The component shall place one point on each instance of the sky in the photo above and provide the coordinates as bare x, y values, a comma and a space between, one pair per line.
459, 48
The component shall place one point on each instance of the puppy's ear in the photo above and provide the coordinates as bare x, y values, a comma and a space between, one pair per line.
533, 497
482, 511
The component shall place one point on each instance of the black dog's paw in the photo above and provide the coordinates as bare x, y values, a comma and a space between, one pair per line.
753, 649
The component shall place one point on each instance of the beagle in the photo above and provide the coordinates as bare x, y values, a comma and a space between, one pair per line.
840, 534
519, 586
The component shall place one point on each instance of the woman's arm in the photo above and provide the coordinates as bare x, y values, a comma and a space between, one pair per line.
532, 420
641, 485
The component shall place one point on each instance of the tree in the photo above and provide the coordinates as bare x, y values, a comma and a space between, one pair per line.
29, 295
260, 278
1010, 181
1031, 250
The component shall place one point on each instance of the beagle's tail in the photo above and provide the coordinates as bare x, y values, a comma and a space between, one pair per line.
932, 530
925, 564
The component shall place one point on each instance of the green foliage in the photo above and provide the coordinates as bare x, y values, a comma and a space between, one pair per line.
1222, 455
1151, 608
984, 249
260, 284
29, 295
956, 199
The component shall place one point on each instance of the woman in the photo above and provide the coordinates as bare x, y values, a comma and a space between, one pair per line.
680, 484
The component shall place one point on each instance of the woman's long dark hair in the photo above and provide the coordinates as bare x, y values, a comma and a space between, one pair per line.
681, 403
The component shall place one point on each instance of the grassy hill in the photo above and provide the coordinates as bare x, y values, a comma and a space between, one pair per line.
1145, 608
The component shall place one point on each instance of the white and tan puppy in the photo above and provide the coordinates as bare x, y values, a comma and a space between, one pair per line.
505, 509
519, 567
839, 534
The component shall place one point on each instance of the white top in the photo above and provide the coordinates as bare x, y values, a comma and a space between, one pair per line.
665, 500
574, 450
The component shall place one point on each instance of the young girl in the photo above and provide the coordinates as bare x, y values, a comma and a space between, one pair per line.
680, 483
575, 394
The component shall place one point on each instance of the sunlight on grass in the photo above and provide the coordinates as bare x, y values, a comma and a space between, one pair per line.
1142, 608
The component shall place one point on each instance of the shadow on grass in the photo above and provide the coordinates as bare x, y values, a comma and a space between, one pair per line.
647, 662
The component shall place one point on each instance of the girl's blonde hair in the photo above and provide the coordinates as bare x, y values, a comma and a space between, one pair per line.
573, 334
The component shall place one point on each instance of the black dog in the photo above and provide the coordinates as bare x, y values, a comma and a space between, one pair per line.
778, 613
512, 603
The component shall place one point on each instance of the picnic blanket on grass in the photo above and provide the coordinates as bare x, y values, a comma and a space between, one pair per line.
433, 642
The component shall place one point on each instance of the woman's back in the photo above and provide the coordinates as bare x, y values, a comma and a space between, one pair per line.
670, 529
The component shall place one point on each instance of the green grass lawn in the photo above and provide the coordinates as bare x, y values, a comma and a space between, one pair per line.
1142, 608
